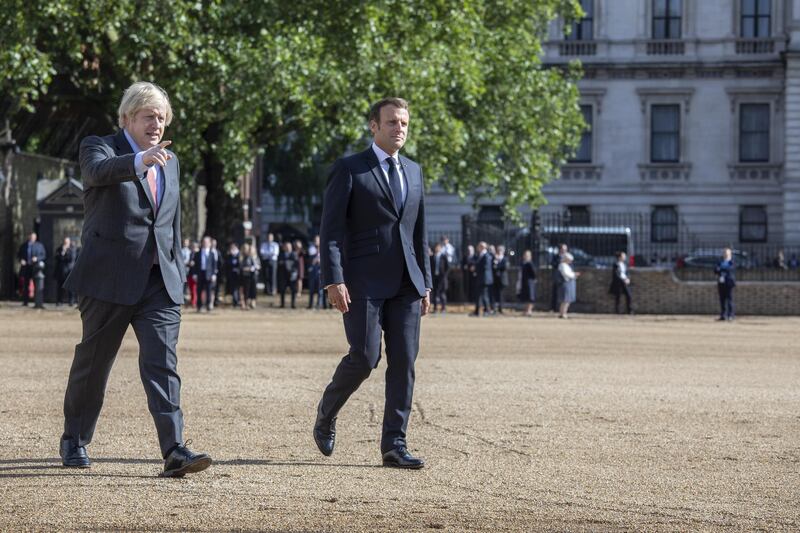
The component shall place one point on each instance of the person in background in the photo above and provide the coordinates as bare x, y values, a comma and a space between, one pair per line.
314, 280
186, 258
250, 265
301, 265
500, 277
793, 262
65, 262
233, 275
483, 270
205, 273
780, 260
620, 283
217, 282
440, 266
568, 288
526, 287
191, 280
449, 250
288, 273
468, 274
269, 263
726, 282
30, 254
557, 280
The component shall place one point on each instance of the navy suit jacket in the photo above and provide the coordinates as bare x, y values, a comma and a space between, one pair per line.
37, 251
484, 269
122, 232
212, 268
726, 271
365, 243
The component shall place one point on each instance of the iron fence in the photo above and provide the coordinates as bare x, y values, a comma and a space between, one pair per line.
595, 242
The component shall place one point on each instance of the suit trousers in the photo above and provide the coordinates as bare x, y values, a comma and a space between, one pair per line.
156, 322
399, 320
205, 291
483, 297
726, 307
440, 292
625, 291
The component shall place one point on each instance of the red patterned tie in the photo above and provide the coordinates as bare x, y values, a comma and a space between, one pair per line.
152, 176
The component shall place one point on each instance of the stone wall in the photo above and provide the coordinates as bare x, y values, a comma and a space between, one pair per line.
658, 291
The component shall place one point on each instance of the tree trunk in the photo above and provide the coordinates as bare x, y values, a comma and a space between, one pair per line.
224, 213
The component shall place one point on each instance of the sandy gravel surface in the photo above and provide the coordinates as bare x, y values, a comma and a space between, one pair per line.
595, 423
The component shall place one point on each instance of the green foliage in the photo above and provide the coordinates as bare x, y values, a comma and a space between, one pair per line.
298, 78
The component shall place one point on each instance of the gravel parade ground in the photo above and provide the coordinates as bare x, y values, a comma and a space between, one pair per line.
597, 423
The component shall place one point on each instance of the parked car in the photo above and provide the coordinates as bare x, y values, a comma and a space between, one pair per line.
709, 257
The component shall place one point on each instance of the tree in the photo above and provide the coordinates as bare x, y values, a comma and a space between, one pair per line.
297, 78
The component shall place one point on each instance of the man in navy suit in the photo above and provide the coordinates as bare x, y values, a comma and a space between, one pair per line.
376, 271
30, 255
726, 281
205, 272
485, 279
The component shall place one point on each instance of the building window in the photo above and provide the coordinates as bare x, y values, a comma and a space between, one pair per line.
753, 223
584, 153
583, 29
754, 133
666, 19
756, 19
664, 224
665, 133
577, 215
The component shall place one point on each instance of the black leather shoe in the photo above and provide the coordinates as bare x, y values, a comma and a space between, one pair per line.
400, 458
325, 436
182, 461
72, 455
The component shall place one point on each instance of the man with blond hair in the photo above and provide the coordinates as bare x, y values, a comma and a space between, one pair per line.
130, 272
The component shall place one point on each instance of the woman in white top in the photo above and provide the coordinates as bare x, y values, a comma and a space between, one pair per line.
567, 289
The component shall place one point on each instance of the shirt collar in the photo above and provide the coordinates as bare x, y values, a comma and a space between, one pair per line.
133, 144
383, 155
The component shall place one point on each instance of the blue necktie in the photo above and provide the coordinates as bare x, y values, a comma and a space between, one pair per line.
394, 184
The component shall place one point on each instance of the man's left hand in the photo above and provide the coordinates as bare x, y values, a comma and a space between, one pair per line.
426, 302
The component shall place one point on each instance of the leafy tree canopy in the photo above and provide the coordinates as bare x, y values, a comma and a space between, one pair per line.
296, 79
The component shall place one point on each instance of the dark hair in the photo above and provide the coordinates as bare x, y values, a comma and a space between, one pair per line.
375, 110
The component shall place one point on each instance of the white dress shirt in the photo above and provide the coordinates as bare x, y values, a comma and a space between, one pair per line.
382, 157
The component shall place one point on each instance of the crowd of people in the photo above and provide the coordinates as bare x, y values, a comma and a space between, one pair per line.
289, 268
283, 269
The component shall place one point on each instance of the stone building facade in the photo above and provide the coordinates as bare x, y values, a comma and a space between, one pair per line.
694, 108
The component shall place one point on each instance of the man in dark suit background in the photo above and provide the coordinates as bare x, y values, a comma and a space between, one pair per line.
468, 273
65, 262
500, 277
726, 282
376, 270
205, 271
130, 272
31, 257
440, 266
485, 280
620, 283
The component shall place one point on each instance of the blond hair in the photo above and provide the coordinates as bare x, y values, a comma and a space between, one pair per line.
143, 94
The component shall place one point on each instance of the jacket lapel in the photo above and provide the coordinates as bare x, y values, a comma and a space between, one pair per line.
124, 148
412, 184
377, 173
170, 181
